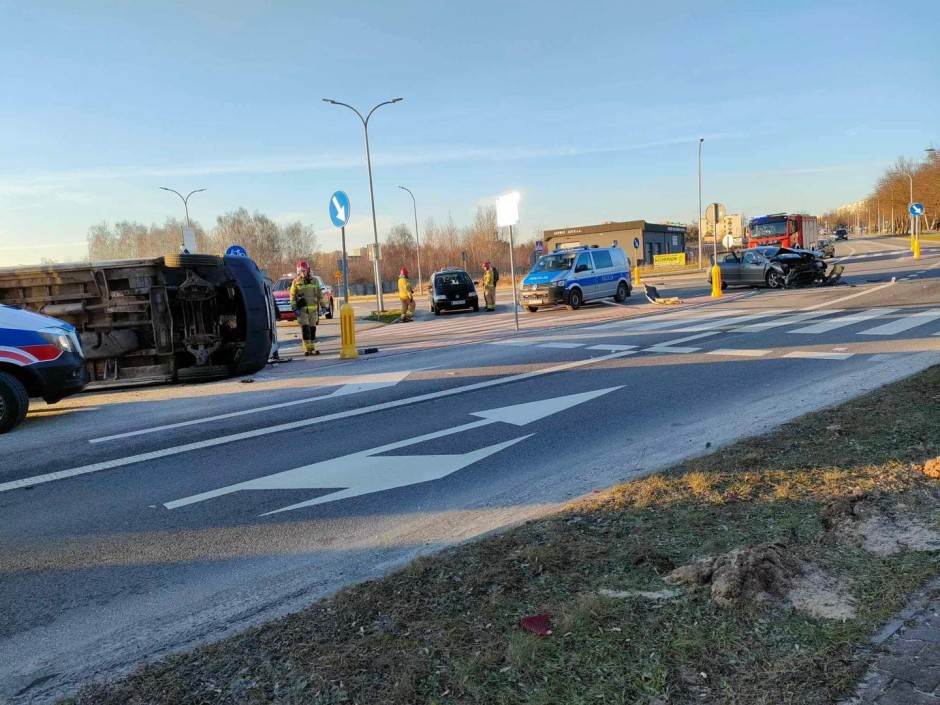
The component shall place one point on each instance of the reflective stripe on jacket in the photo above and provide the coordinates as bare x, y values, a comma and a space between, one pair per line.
307, 290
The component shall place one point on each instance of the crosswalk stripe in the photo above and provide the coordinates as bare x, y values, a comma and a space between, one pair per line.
670, 349
787, 320
903, 324
661, 321
564, 346
730, 321
744, 352
809, 355
843, 321
612, 348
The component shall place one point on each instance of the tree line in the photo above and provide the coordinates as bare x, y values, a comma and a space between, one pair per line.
277, 247
888, 203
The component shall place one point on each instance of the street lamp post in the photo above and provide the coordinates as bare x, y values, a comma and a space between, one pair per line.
185, 201
417, 241
700, 140
375, 229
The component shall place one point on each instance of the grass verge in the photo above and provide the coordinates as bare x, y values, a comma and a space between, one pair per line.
389, 316
446, 629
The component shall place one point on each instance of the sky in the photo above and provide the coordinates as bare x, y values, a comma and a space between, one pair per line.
592, 111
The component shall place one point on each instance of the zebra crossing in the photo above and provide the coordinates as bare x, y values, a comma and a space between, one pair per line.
873, 323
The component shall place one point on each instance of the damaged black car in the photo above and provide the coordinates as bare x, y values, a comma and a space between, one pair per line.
774, 267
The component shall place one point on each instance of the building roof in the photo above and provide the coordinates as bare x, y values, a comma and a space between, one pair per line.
614, 227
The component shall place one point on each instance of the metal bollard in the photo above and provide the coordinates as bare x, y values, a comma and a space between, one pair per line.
347, 326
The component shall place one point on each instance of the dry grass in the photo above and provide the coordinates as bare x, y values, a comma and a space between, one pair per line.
446, 628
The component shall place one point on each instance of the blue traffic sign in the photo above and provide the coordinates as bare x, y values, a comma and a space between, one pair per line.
236, 251
916, 209
539, 247
636, 243
339, 209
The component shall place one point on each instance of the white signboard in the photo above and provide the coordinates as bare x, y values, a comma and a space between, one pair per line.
507, 210
189, 238
727, 241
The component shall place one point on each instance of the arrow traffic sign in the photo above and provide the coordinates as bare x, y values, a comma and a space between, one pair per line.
636, 243
916, 209
539, 247
339, 209
368, 471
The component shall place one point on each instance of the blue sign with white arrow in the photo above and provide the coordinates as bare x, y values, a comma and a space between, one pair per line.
339, 209
917, 209
236, 251
539, 247
636, 243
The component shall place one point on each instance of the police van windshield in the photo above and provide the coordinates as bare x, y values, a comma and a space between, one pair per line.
560, 262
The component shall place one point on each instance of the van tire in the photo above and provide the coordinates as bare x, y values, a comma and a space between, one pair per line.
623, 291
15, 402
205, 373
574, 300
531, 309
329, 314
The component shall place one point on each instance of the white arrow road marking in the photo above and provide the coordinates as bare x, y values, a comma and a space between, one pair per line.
340, 210
364, 473
356, 385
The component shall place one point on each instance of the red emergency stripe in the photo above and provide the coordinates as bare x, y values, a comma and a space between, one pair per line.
16, 357
43, 353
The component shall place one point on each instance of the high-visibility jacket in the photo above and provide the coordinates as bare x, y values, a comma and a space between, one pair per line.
489, 280
404, 288
305, 294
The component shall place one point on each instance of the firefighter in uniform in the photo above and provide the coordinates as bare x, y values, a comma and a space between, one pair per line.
305, 297
489, 287
407, 295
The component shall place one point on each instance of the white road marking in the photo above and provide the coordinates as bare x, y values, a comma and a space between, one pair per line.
728, 322
686, 339
510, 342
364, 473
293, 425
744, 352
356, 385
662, 320
850, 296
563, 346
808, 355
611, 347
842, 321
905, 323
786, 321
678, 351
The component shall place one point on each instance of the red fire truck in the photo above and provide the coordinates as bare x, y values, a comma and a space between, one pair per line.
784, 230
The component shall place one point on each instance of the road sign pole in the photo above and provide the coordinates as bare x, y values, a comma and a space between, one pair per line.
512, 273
716, 270
345, 268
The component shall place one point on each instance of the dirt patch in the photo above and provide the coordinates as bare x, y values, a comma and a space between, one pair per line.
820, 595
665, 594
932, 468
756, 574
859, 518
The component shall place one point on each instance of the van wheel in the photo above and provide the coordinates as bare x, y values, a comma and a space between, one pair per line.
574, 300
329, 314
623, 291
531, 309
205, 373
14, 402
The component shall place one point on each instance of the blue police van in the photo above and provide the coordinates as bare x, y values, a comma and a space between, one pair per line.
575, 276
39, 357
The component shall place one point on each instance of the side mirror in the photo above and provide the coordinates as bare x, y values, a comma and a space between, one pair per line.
581, 268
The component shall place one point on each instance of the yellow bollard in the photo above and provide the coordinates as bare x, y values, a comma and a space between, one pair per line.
636, 276
916, 248
913, 242
347, 327
716, 282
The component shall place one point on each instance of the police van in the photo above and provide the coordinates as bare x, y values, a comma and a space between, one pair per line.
575, 276
39, 357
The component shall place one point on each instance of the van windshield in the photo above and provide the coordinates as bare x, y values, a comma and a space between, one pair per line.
560, 262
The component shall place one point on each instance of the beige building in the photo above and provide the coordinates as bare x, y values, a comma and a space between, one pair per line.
732, 225
652, 238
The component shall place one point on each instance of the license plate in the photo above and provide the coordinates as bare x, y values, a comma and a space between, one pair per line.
534, 302
458, 301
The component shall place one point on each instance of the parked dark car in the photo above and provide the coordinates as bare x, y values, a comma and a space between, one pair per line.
842, 233
451, 289
775, 267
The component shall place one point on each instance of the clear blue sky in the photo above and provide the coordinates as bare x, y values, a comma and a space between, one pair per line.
591, 110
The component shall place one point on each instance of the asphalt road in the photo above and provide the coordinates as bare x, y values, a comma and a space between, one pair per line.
138, 522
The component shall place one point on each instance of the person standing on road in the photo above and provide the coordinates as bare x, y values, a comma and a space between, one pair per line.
305, 297
407, 295
489, 287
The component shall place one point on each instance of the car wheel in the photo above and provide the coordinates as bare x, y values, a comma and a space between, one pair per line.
531, 309
724, 285
204, 373
437, 310
774, 279
14, 402
179, 261
574, 300
476, 307
329, 314
623, 291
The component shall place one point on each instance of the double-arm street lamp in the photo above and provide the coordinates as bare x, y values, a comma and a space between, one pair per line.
375, 230
417, 241
699, 224
185, 201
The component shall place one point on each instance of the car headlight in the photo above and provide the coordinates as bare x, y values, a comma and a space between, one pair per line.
472, 295
61, 338
559, 283
440, 297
